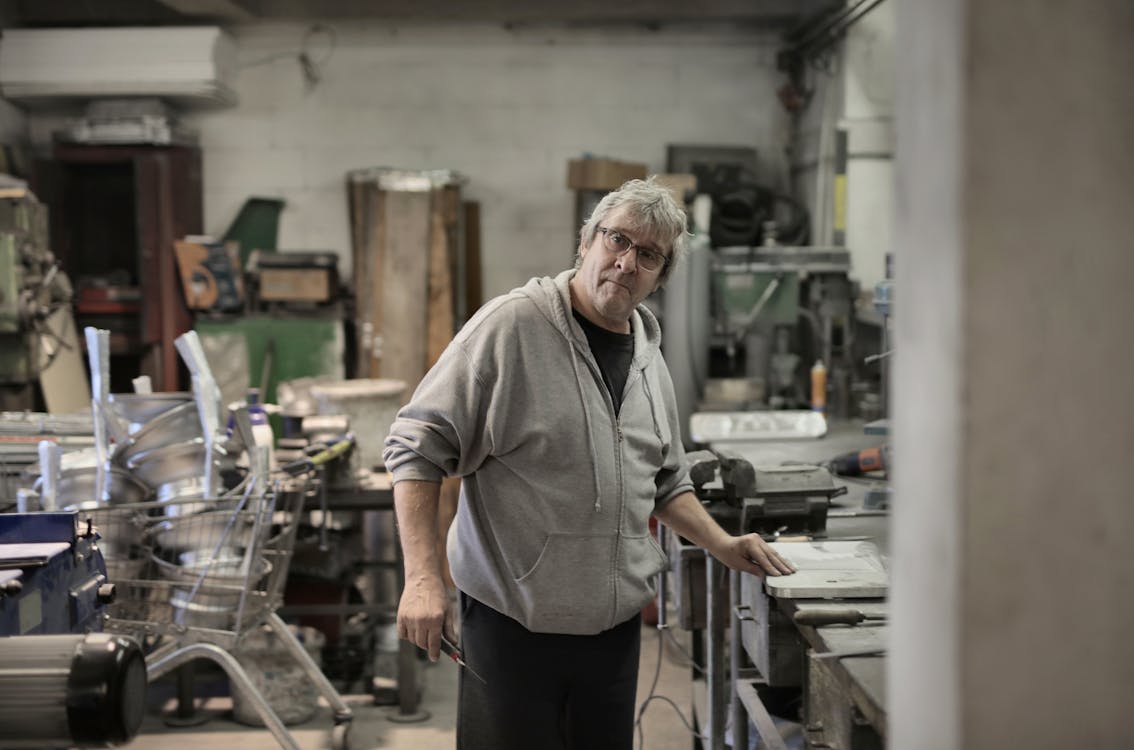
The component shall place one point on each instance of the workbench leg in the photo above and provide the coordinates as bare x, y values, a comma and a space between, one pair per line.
716, 593
739, 715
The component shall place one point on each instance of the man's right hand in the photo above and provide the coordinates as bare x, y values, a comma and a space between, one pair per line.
424, 614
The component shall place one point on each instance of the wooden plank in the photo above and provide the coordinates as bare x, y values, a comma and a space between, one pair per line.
404, 286
770, 737
369, 285
63, 378
439, 314
474, 293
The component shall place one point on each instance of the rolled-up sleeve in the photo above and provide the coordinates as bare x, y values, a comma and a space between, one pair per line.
441, 431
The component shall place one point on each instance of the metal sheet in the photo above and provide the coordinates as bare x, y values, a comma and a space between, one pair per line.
828, 570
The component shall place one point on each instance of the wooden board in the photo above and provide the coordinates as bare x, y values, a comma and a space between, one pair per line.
473, 291
64, 380
405, 286
439, 316
827, 570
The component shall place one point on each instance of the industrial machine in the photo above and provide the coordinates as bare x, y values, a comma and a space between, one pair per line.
32, 288
770, 501
63, 684
778, 309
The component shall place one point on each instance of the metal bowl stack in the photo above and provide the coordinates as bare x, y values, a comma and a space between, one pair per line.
168, 451
137, 409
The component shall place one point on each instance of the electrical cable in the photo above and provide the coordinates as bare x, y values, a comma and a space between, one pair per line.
652, 694
309, 65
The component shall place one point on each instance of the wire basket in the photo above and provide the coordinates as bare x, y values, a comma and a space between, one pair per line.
217, 566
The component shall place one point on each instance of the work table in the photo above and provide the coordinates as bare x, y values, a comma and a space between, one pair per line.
844, 696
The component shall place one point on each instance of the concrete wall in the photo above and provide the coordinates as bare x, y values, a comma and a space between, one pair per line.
1012, 610
13, 123
505, 108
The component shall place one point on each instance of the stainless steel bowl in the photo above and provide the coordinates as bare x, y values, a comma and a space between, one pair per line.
139, 408
206, 592
170, 463
78, 486
210, 530
177, 425
189, 488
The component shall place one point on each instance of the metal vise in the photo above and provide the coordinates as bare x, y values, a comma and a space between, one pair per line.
793, 498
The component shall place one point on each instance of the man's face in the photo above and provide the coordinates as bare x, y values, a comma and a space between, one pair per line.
609, 286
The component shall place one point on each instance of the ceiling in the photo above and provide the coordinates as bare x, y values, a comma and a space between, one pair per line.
770, 14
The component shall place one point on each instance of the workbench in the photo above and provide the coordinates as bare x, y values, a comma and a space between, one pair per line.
844, 697
371, 493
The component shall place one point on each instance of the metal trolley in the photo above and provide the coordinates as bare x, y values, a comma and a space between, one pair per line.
195, 576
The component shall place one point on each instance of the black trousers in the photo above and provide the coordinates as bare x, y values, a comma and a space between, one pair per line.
545, 691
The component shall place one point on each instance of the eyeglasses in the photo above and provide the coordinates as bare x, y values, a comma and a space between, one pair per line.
619, 244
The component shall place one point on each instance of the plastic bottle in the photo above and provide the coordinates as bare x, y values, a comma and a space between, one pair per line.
261, 429
819, 387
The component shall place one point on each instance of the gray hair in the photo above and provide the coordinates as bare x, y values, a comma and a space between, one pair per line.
653, 212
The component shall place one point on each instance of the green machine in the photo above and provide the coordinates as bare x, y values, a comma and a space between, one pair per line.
31, 285
262, 351
776, 309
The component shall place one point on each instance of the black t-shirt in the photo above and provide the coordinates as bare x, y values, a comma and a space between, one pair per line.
613, 351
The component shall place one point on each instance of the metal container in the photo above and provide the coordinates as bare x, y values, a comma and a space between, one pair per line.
138, 409
177, 425
77, 487
206, 591
210, 530
188, 488
170, 463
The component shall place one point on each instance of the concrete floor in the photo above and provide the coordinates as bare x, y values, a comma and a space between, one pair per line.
662, 729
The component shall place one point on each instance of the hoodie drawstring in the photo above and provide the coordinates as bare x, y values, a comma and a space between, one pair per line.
653, 406
586, 423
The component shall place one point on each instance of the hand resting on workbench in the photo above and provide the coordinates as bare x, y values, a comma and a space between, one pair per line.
748, 553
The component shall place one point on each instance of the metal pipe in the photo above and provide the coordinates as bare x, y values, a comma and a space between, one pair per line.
739, 714
714, 646
236, 673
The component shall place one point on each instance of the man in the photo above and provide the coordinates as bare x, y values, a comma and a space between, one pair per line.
555, 407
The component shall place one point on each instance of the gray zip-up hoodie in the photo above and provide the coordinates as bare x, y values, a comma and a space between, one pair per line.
556, 492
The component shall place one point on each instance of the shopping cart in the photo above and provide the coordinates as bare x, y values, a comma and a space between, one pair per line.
195, 576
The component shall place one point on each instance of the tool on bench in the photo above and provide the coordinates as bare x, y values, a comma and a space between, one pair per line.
787, 499
455, 654
860, 462
849, 654
327, 454
818, 617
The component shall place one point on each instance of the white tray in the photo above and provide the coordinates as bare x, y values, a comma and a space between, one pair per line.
714, 427
829, 570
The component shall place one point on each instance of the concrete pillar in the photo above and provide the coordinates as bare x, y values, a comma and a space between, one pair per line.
1013, 564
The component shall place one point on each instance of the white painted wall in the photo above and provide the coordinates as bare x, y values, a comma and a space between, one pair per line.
868, 117
507, 109
13, 123
855, 92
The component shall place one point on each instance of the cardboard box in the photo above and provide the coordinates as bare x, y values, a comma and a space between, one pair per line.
297, 276
602, 174
295, 285
680, 185
210, 275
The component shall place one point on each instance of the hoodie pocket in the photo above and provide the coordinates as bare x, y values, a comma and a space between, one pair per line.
569, 588
642, 559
